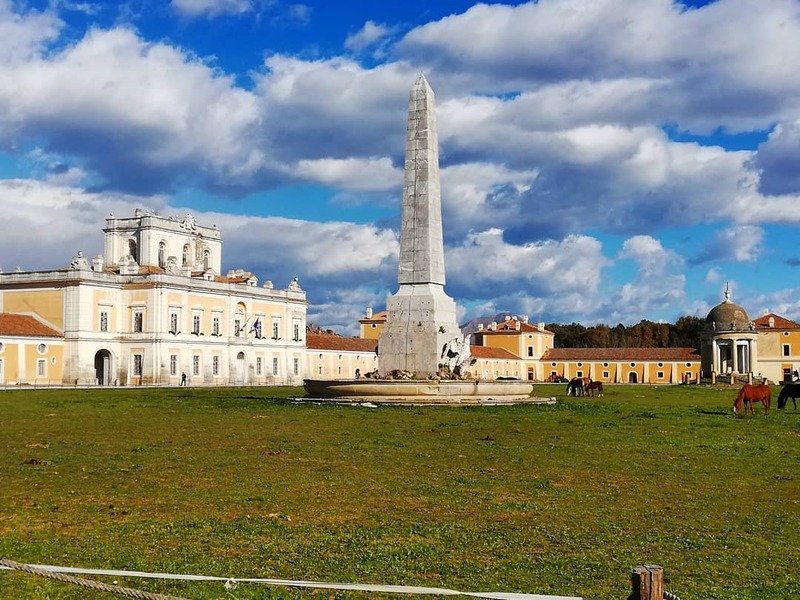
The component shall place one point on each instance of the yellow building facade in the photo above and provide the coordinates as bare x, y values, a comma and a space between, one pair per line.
517, 348
734, 346
31, 352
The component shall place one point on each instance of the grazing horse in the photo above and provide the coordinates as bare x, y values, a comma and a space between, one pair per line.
750, 394
575, 387
790, 390
592, 386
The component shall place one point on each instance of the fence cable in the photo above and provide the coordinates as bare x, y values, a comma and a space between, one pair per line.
232, 582
87, 583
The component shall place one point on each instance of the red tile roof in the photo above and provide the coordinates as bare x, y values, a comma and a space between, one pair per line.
510, 326
780, 322
316, 341
610, 354
25, 326
487, 352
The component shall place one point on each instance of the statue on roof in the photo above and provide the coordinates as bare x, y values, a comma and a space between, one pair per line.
189, 223
79, 262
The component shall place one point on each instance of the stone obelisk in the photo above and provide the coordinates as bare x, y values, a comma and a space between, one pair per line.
421, 319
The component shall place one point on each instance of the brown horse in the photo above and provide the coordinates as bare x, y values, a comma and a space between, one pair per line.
592, 386
748, 395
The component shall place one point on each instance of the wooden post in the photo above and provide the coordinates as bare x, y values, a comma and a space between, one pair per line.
647, 583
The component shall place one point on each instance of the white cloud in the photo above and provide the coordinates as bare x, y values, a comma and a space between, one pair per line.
211, 8
713, 275
24, 35
485, 262
778, 159
367, 36
136, 111
65, 220
355, 174
659, 283
741, 243
708, 74
653, 259
306, 248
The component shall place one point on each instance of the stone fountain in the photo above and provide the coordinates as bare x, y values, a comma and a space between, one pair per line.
421, 340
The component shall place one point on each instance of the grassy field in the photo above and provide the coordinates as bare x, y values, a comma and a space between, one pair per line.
560, 499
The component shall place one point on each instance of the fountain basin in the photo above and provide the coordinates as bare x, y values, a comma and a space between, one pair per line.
422, 391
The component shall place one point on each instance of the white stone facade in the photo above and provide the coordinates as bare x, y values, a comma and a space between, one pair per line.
126, 320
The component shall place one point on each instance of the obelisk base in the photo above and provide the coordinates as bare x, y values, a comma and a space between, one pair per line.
421, 321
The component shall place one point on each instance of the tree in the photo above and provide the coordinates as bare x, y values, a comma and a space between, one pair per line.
685, 333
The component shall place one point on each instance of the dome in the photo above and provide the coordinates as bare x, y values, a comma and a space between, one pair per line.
728, 316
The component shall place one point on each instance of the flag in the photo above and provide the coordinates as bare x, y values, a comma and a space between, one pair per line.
256, 327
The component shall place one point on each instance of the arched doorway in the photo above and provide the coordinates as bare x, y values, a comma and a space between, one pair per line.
240, 368
633, 377
102, 367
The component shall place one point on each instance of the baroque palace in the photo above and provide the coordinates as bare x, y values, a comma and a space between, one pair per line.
155, 310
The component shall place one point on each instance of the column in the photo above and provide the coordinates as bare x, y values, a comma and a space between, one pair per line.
714, 356
735, 356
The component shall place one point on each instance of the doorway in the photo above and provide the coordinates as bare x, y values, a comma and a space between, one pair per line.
102, 367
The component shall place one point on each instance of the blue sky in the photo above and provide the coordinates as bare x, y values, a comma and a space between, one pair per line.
602, 160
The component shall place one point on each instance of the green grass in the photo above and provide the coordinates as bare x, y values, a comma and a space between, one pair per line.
560, 499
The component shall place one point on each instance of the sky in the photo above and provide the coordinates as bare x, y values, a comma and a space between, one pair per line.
601, 160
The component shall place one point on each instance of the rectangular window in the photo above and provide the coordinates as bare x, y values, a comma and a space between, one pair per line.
196, 364
660, 374
137, 365
215, 326
297, 366
276, 327
41, 367
173, 323
296, 332
320, 369
215, 365
173, 364
258, 365
605, 374
579, 374
196, 324
237, 327
787, 350
138, 321
530, 350
103, 320
275, 365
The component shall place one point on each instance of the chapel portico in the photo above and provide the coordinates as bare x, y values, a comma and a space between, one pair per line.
730, 342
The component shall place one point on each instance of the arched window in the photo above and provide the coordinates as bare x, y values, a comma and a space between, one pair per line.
186, 253
162, 254
132, 250
206, 260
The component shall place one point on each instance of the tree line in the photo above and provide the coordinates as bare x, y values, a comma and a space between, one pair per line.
684, 333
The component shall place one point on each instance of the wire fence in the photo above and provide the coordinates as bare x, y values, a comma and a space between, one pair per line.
68, 575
